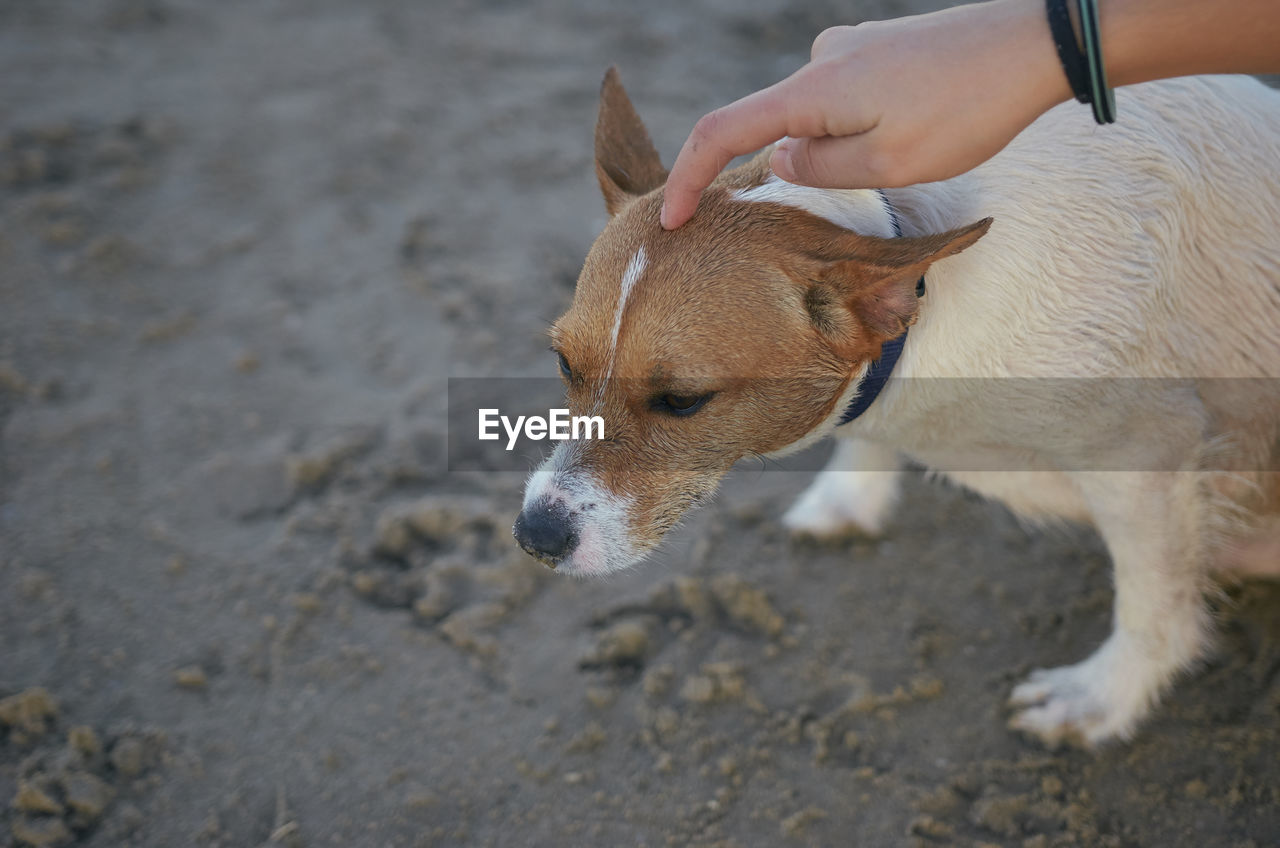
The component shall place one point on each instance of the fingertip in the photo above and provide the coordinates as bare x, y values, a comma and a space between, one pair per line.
666, 217
674, 213
781, 165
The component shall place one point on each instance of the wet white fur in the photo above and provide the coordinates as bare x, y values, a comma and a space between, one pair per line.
861, 211
1144, 249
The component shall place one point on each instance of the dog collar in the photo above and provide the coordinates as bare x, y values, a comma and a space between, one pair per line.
878, 373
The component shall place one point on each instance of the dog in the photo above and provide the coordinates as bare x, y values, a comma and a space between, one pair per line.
1094, 337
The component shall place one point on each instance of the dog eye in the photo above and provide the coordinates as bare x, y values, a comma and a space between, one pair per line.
564, 366
681, 405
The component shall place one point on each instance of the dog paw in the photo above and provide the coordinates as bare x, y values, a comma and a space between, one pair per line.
1086, 704
1052, 708
842, 504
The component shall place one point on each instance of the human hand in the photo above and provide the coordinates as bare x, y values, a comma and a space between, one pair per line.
886, 104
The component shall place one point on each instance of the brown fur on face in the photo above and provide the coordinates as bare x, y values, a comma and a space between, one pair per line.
768, 309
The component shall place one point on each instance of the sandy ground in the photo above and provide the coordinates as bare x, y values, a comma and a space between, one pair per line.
243, 602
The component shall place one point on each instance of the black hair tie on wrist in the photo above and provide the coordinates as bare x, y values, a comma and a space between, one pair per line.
1102, 97
1083, 67
1064, 38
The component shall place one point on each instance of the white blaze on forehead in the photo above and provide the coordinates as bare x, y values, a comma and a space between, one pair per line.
629, 277
635, 269
861, 210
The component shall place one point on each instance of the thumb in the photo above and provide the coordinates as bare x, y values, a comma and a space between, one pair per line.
829, 162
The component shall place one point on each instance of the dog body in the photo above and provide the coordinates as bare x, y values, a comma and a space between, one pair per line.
1106, 352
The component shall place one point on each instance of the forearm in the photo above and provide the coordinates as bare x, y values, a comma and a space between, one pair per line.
1151, 39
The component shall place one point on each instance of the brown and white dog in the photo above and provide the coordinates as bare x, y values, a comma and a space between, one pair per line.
1095, 296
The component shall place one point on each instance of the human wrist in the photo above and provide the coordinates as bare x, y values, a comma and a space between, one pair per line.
1074, 25
1131, 40
1036, 57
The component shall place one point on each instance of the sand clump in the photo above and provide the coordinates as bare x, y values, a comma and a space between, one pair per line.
66, 788
625, 644
725, 598
28, 714
746, 605
312, 469
41, 832
444, 589
797, 824
433, 557
591, 738
191, 677
718, 681
430, 522
470, 629
130, 755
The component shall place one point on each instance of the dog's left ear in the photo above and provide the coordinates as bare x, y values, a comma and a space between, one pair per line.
627, 163
875, 279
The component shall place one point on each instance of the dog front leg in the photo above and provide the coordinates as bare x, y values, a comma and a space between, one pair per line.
854, 494
1154, 524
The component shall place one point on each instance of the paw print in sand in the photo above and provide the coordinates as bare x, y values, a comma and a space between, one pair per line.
628, 635
439, 559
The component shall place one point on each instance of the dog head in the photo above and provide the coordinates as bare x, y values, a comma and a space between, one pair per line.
740, 334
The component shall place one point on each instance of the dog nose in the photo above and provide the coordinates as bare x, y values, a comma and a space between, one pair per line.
546, 532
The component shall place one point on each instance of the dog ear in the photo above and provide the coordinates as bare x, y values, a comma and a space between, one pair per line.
627, 163
875, 280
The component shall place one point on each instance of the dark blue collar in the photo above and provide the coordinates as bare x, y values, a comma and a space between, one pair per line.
878, 373
877, 376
